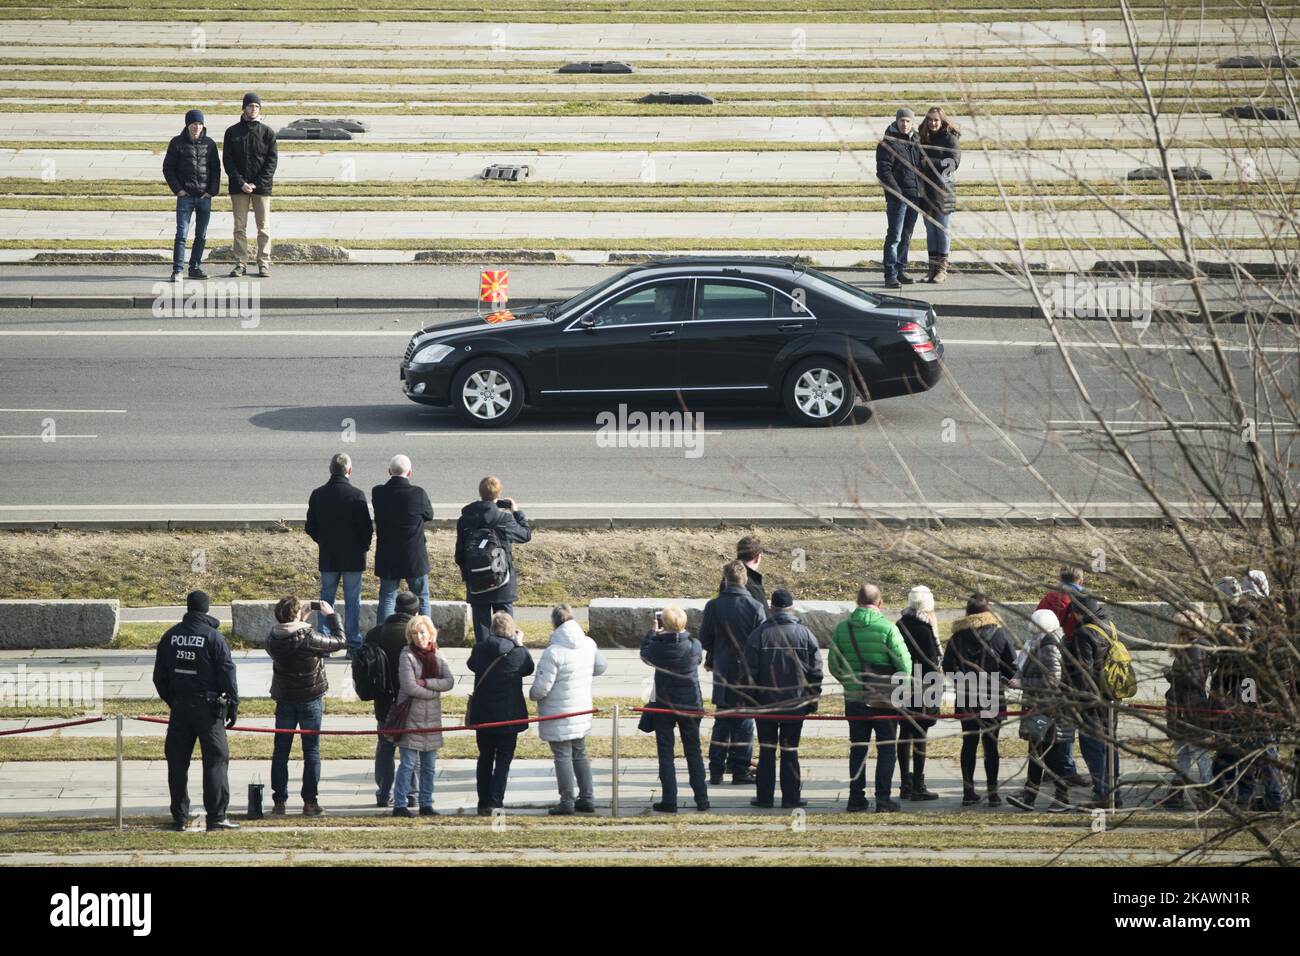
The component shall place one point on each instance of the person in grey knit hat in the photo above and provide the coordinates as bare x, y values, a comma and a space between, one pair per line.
898, 168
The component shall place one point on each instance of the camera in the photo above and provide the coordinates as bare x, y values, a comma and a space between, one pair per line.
659, 620
505, 504
315, 605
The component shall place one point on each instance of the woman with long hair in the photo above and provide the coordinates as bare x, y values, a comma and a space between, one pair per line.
422, 678
941, 154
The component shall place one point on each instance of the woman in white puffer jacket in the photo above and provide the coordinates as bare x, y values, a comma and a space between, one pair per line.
562, 685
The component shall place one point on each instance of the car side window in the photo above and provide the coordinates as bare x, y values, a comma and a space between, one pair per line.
790, 306
723, 301
659, 302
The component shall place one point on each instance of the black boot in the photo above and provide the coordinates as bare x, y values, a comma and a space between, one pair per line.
918, 789
969, 797
905, 788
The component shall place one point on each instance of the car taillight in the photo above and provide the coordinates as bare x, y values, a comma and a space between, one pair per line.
916, 336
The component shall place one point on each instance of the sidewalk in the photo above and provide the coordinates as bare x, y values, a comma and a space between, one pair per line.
969, 294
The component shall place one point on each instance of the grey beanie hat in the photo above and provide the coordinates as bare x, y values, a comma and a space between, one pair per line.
904, 113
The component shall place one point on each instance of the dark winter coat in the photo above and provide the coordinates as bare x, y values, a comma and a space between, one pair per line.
1188, 696
923, 647
980, 645
338, 520
391, 637
192, 164
250, 155
511, 527
210, 670
676, 659
499, 666
298, 657
401, 509
899, 164
942, 156
786, 664
728, 621
753, 584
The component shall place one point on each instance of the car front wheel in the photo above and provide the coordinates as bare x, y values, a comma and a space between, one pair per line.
487, 393
819, 391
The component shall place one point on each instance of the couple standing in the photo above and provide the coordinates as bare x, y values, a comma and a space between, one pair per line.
917, 170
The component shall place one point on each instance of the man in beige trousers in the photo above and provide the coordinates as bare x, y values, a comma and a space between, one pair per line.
249, 155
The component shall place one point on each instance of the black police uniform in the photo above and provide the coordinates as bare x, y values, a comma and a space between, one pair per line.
193, 667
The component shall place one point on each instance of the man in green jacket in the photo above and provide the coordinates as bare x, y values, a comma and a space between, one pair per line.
868, 643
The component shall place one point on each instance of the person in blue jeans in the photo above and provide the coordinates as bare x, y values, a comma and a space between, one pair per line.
899, 162
490, 524
193, 173
298, 687
338, 520
423, 677
941, 150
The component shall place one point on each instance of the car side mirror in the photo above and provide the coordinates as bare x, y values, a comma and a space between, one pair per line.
588, 321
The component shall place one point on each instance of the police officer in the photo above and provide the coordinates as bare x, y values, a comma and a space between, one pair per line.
195, 676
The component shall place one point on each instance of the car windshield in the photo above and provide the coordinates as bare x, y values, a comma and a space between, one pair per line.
844, 290
561, 307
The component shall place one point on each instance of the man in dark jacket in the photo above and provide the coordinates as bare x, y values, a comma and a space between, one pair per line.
499, 664
390, 637
193, 173
1057, 601
298, 686
250, 156
898, 167
749, 552
338, 520
191, 670
786, 664
1085, 653
675, 657
728, 621
401, 509
491, 525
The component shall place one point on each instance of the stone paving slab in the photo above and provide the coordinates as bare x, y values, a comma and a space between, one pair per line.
639, 166
347, 786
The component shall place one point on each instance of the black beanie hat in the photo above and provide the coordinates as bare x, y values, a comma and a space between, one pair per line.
407, 603
194, 116
252, 98
196, 602
782, 598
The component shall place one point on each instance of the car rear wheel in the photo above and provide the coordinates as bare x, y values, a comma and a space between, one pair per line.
487, 393
819, 391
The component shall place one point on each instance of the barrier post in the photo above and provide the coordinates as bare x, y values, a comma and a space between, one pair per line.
613, 751
119, 772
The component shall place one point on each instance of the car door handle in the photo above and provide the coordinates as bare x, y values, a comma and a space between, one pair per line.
790, 327
663, 333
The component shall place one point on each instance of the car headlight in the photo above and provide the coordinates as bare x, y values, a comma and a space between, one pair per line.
434, 353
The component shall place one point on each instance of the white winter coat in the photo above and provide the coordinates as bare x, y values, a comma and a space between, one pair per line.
562, 683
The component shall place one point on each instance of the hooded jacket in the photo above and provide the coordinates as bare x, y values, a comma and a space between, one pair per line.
899, 163
676, 659
1042, 674
499, 666
250, 155
192, 164
980, 644
510, 527
298, 657
562, 684
866, 642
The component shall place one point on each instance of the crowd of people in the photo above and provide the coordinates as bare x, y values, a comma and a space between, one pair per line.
1071, 670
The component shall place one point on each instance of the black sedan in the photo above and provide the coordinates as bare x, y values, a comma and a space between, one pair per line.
717, 331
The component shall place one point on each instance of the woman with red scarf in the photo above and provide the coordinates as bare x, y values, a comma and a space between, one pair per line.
422, 677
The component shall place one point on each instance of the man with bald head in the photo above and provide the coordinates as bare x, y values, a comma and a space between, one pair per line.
401, 509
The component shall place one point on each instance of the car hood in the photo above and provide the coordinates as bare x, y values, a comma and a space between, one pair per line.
501, 320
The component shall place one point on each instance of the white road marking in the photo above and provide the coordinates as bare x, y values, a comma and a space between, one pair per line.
69, 411
51, 441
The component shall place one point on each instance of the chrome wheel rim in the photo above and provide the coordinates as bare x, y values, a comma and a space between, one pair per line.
819, 393
487, 394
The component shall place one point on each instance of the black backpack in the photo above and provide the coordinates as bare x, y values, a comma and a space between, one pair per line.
370, 673
487, 566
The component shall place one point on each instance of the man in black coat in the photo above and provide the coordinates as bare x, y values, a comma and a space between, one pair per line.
250, 156
509, 527
499, 663
786, 666
191, 671
728, 621
898, 167
390, 636
193, 173
338, 520
401, 509
749, 552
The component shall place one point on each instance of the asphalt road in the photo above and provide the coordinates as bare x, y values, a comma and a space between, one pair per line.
189, 418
